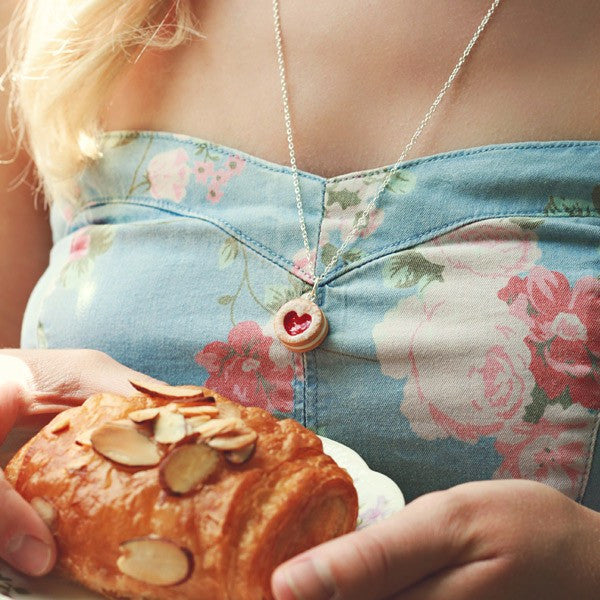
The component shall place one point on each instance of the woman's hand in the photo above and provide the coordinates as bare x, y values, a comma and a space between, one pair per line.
35, 385
488, 540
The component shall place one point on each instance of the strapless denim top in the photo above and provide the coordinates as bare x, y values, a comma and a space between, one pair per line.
464, 317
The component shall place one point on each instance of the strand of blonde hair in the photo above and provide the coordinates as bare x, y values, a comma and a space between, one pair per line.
64, 58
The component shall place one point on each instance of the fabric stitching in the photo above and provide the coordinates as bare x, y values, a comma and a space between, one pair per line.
448, 155
321, 222
422, 238
287, 265
222, 225
222, 150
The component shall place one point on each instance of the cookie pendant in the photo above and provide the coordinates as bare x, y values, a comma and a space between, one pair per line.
300, 325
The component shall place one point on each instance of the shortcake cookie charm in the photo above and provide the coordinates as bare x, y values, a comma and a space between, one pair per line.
300, 325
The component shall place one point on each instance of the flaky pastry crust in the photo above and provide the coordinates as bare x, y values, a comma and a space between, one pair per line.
234, 528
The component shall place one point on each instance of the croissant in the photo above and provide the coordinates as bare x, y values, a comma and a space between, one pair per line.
179, 493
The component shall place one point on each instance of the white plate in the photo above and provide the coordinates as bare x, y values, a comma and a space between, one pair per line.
378, 497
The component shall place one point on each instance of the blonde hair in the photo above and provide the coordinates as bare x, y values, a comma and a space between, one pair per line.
64, 58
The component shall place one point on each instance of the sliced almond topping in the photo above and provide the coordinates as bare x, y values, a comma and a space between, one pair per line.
233, 442
143, 415
122, 443
229, 409
220, 426
45, 510
193, 424
155, 560
83, 438
60, 423
187, 467
169, 392
169, 427
238, 457
195, 411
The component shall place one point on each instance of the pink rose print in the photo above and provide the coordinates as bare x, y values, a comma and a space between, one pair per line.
80, 245
235, 164
204, 171
564, 333
503, 384
485, 351
508, 249
214, 194
216, 179
461, 351
460, 386
549, 451
168, 175
242, 369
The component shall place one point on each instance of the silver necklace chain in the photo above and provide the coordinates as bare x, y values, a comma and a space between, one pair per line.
362, 221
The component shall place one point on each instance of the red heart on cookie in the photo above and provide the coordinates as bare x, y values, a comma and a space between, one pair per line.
296, 324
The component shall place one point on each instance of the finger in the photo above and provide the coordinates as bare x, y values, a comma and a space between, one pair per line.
10, 407
62, 379
483, 580
25, 542
381, 560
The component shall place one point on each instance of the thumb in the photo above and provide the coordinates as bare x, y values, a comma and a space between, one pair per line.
376, 562
25, 542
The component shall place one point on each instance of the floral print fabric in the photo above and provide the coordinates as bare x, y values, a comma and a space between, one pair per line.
464, 316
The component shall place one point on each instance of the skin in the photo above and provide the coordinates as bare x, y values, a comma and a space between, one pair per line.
59, 379
488, 540
359, 85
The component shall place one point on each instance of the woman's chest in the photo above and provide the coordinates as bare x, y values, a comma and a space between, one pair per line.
362, 76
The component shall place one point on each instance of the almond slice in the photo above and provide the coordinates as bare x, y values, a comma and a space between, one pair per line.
122, 443
193, 424
169, 427
143, 415
169, 392
45, 510
155, 560
228, 410
238, 457
196, 411
84, 438
60, 423
220, 426
233, 442
187, 467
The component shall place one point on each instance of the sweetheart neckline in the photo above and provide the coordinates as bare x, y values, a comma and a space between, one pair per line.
444, 155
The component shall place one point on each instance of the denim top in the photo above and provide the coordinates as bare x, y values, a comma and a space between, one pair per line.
464, 318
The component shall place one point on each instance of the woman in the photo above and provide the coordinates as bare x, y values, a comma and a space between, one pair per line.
463, 311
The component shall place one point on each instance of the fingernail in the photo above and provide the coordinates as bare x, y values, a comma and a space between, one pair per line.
310, 579
28, 554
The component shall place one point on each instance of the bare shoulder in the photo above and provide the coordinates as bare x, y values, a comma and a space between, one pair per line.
24, 230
